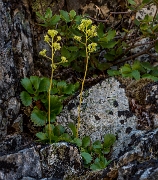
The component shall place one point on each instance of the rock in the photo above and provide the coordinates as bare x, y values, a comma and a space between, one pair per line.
139, 161
105, 109
10, 144
50, 162
60, 159
23, 163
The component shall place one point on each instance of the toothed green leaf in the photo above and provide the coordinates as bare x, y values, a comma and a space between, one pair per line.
38, 117
26, 83
25, 98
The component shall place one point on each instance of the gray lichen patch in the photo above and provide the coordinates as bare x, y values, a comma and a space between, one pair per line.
23, 163
105, 109
59, 159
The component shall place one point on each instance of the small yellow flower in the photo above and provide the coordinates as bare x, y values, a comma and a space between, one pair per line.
46, 38
43, 52
63, 59
56, 46
58, 38
78, 38
92, 47
54, 66
81, 27
52, 33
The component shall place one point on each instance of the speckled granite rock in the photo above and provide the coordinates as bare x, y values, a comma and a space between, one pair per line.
60, 159
105, 109
139, 162
17, 165
51, 162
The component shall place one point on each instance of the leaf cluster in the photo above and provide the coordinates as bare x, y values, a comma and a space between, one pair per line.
137, 70
116, 49
36, 92
93, 154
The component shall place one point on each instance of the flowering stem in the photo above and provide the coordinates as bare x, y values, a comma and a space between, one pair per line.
50, 86
84, 78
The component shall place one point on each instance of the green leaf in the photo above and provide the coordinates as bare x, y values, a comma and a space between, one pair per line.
38, 117
137, 66
86, 141
154, 72
126, 69
49, 128
136, 74
35, 80
100, 30
109, 57
97, 145
144, 26
65, 52
44, 84
48, 13
70, 88
58, 130
73, 48
42, 136
108, 45
87, 157
146, 1
55, 105
100, 163
25, 98
156, 46
72, 14
136, 22
61, 86
109, 140
78, 19
113, 72
132, 2
103, 66
65, 137
26, 83
150, 77
110, 35
55, 19
65, 16
73, 129
77, 141
40, 16
95, 166
147, 65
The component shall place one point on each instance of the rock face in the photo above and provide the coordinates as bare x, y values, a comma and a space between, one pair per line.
36, 162
105, 109
16, 61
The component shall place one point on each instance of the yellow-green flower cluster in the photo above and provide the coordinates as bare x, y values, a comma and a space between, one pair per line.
43, 52
92, 47
84, 24
78, 38
58, 38
52, 33
63, 59
92, 32
54, 66
56, 46
46, 38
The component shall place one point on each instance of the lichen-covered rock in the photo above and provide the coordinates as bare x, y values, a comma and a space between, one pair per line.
16, 61
23, 163
60, 159
51, 162
105, 109
139, 161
